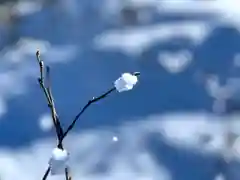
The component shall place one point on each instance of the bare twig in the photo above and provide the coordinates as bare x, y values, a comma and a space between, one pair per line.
41, 81
52, 107
94, 100
67, 176
46, 173
48, 94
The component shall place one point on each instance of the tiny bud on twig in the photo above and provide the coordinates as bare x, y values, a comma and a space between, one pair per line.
38, 53
39, 80
41, 64
136, 73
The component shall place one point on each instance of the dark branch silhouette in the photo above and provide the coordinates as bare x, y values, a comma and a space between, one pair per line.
94, 100
67, 174
48, 94
46, 173
47, 91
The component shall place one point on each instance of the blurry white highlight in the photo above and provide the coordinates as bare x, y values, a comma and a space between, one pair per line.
24, 8
220, 177
45, 122
175, 62
115, 138
135, 40
126, 82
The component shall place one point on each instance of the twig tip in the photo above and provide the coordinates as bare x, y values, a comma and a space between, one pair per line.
136, 73
38, 52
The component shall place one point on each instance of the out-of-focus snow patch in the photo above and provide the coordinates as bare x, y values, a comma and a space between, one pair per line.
90, 152
219, 106
222, 92
187, 6
236, 60
3, 108
201, 132
27, 47
134, 40
19, 65
23, 8
220, 177
95, 156
143, 3
175, 62
217, 91
236, 146
45, 122
225, 11
111, 7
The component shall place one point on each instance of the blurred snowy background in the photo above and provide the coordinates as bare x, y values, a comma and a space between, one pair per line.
179, 123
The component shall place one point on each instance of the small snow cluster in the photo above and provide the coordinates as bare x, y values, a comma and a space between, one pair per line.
126, 82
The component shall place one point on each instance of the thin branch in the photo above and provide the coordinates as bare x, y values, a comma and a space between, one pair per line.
48, 95
68, 177
41, 79
48, 89
48, 86
46, 173
53, 109
94, 100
